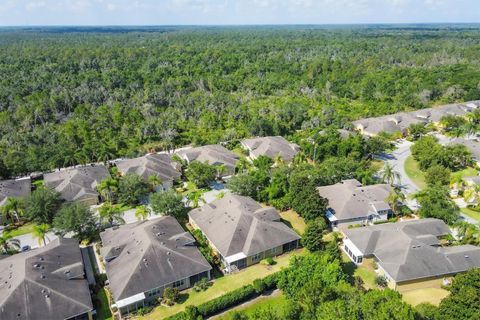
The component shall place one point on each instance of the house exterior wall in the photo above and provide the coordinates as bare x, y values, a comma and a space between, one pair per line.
263, 255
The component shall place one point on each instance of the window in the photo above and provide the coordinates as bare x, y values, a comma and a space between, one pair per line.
256, 257
178, 283
359, 259
274, 250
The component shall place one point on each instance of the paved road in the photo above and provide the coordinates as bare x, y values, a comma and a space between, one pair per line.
29, 240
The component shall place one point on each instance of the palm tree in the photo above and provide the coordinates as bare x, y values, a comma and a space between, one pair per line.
7, 242
388, 174
12, 209
300, 158
154, 181
111, 213
107, 188
242, 165
278, 161
195, 197
395, 199
142, 213
221, 169
40, 233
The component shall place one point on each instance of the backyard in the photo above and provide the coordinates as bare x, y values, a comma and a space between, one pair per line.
221, 286
471, 213
294, 221
425, 295
414, 173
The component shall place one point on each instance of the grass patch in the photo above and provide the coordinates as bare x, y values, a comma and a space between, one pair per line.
295, 221
471, 213
103, 310
223, 285
430, 295
366, 271
468, 172
25, 229
278, 303
414, 173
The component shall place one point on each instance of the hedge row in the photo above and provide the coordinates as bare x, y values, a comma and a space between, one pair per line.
230, 299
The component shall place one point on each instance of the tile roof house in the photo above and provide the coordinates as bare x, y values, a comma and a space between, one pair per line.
242, 231
19, 188
399, 122
410, 251
214, 155
45, 283
160, 165
351, 203
144, 258
78, 184
271, 147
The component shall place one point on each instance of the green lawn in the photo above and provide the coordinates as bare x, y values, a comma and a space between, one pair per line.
221, 286
294, 220
103, 310
471, 213
429, 295
413, 171
277, 303
366, 271
25, 229
468, 172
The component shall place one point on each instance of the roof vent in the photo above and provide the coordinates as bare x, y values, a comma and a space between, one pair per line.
466, 257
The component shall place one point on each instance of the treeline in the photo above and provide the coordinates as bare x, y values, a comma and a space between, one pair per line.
69, 98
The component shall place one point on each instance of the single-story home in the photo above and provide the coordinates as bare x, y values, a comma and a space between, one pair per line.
155, 164
78, 184
45, 283
243, 232
350, 203
409, 252
399, 122
214, 154
270, 147
144, 258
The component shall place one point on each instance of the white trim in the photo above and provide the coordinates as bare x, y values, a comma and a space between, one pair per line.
235, 257
130, 300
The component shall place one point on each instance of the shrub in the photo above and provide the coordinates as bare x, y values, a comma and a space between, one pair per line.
381, 281
227, 300
259, 286
201, 285
268, 261
170, 296
144, 310
271, 281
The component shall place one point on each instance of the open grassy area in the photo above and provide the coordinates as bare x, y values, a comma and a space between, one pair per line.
277, 303
296, 222
430, 295
468, 172
103, 311
413, 171
471, 213
221, 286
25, 229
366, 271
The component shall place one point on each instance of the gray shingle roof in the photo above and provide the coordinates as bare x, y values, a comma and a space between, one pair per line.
147, 255
271, 147
160, 165
77, 184
471, 144
213, 154
14, 189
410, 250
237, 224
349, 199
399, 122
45, 283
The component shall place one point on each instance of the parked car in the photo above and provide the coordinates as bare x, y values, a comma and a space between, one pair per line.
26, 248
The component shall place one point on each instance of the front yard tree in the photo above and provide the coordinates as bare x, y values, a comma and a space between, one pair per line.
142, 213
13, 209
201, 173
435, 203
111, 213
131, 189
40, 233
388, 174
76, 218
7, 243
312, 238
438, 175
168, 203
108, 189
395, 199
42, 205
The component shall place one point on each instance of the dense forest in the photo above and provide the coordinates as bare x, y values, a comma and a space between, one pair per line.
71, 96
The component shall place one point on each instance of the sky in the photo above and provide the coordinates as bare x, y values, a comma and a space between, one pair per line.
234, 12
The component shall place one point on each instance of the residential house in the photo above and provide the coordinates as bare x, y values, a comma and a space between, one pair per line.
350, 203
155, 164
243, 232
19, 188
214, 154
473, 145
271, 147
45, 283
409, 254
471, 189
78, 184
144, 258
400, 122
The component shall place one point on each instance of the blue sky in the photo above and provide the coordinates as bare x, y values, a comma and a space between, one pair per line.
212, 12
